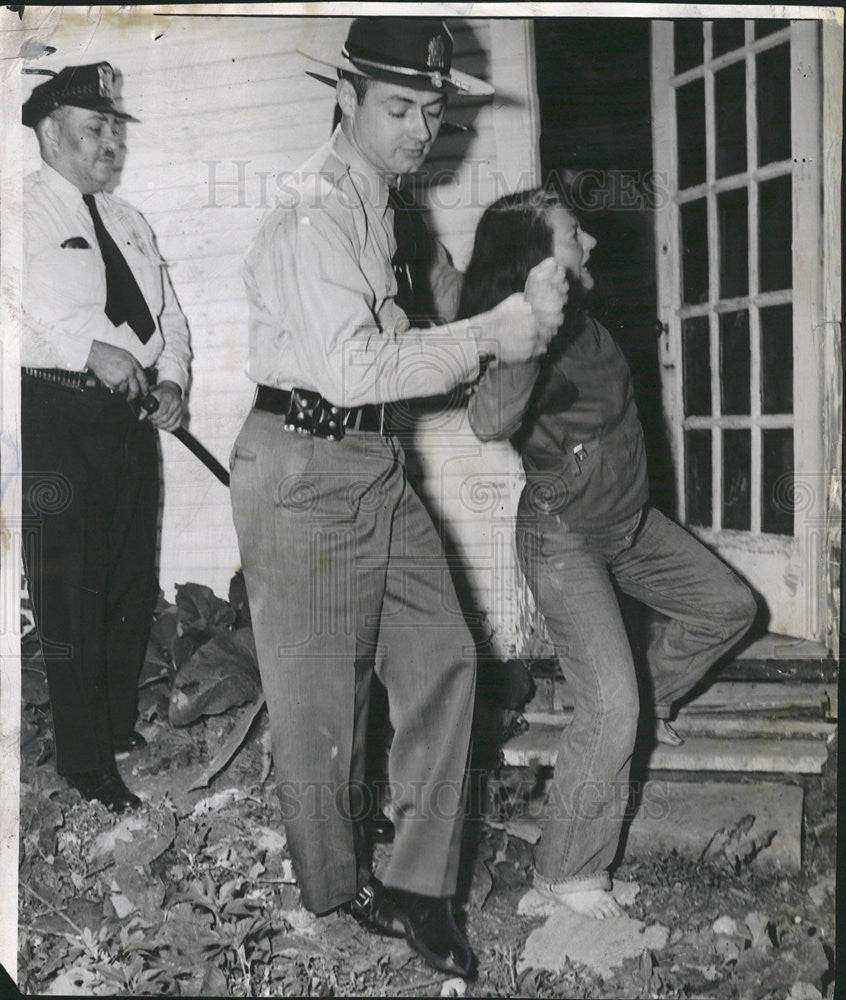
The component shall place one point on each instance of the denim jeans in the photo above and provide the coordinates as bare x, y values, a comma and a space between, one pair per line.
347, 578
572, 577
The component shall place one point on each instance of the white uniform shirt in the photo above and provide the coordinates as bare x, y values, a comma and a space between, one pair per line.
64, 287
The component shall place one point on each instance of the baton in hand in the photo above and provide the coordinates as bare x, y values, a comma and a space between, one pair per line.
151, 404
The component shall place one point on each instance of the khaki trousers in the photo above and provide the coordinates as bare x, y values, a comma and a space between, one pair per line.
346, 576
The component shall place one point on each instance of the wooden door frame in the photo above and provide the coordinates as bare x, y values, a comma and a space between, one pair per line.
816, 50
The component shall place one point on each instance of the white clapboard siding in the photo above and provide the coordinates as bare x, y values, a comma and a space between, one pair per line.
225, 110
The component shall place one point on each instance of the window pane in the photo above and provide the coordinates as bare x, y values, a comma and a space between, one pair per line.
734, 243
727, 34
696, 345
688, 44
777, 359
735, 362
730, 115
773, 103
694, 226
698, 477
777, 481
767, 26
775, 234
737, 478
690, 129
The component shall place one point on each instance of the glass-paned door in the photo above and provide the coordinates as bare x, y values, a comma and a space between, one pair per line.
737, 146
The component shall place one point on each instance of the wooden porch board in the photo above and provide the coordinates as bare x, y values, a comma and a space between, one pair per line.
721, 696
699, 753
721, 725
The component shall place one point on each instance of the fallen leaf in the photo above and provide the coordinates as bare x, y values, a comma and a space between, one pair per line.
804, 991
454, 988
77, 981
725, 925
758, 924
214, 983
216, 802
230, 747
269, 840
201, 611
34, 684
123, 905
222, 674
821, 889
145, 892
148, 842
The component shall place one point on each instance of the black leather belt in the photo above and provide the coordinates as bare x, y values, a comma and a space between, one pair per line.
309, 413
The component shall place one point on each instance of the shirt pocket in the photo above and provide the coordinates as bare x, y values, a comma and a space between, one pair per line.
75, 273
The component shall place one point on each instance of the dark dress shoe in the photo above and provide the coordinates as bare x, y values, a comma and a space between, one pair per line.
128, 743
105, 786
426, 922
379, 829
372, 909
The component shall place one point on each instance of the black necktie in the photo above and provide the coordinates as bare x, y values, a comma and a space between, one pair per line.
406, 252
124, 301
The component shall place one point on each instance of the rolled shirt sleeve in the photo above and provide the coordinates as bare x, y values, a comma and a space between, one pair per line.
499, 400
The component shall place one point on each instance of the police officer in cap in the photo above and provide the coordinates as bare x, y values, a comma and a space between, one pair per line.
100, 321
345, 572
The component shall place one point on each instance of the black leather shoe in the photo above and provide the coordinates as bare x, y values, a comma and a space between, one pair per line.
427, 924
379, 829
105, 786
128, 743
372, 909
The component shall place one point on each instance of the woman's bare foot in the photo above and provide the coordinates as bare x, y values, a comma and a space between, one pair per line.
666, 734
596, 903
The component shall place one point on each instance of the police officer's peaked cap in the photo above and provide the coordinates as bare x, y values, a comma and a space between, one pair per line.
87, 87
414, 51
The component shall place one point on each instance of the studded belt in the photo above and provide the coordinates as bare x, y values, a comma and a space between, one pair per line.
309, 413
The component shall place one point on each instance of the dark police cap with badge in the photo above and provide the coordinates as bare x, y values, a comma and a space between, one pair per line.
412, 51
88, 87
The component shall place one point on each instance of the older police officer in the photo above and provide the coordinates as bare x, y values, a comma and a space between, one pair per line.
344, 569
98, 313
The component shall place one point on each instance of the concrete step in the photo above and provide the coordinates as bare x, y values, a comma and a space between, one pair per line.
685, 815
765, 755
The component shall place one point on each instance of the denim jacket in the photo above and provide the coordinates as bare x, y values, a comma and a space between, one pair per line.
573, 417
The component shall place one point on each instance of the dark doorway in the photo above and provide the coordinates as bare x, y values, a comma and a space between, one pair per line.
593, 77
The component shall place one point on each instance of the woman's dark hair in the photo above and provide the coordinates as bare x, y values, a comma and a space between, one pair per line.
512, 236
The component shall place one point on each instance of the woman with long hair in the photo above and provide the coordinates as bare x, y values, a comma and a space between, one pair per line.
584, 528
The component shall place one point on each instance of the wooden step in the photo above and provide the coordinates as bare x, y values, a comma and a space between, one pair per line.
554, 694
721, 725
768, 657
698, 753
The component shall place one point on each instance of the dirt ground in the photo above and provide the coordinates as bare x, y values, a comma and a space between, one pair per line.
194, 894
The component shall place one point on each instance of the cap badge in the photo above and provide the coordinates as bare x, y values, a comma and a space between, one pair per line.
106, 74
436, 53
